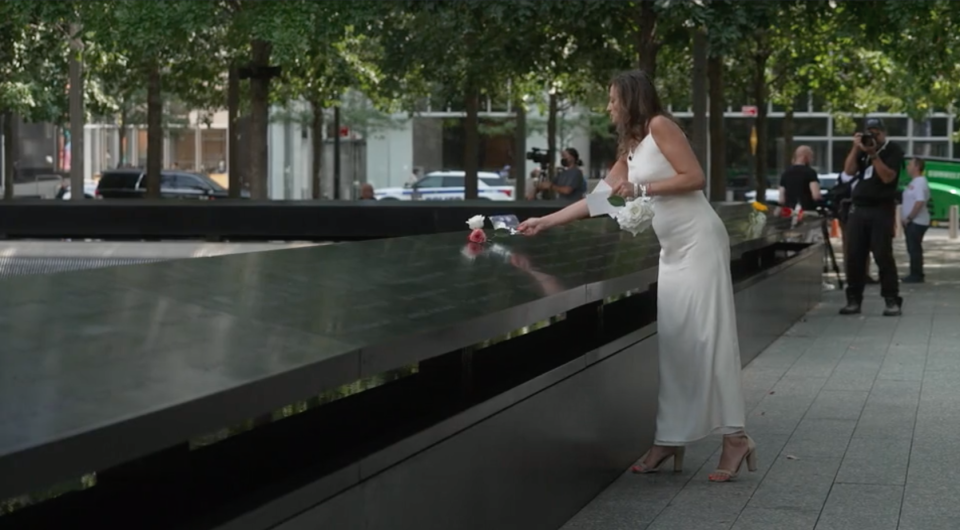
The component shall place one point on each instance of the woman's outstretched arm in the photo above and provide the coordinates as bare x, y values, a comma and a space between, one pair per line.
579, 210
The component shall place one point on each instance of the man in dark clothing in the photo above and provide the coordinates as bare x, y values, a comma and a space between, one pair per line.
569, 185
876, 162
799, 185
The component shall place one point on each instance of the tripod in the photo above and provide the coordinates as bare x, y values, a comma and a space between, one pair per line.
828, 255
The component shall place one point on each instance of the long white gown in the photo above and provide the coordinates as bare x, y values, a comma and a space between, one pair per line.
700, 387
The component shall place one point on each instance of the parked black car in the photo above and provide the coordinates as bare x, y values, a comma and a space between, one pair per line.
131, 184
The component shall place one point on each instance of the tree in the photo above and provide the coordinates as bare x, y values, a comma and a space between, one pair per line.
32, 72
726, 23
503, 44
157, 41
338, 56
268, 34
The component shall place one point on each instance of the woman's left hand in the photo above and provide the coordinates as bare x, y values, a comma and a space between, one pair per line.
625, 189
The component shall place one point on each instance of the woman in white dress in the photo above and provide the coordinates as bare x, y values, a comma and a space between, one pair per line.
700, 389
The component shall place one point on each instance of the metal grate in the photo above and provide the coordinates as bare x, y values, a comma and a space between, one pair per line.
27, 266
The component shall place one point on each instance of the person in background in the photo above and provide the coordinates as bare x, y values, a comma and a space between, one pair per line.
915, 218
367, 192
876, 161
570, 184
414, 177
799, 185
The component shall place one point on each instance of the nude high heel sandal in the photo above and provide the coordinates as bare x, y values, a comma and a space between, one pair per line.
677, 455
726, 475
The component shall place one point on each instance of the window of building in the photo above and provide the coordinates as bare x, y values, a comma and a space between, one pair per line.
811, 127
494, 151
895, 126
938, 127
183, 146
930, 149
213, 149
841, 148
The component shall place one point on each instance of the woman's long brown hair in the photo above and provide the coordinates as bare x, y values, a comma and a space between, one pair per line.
639, 103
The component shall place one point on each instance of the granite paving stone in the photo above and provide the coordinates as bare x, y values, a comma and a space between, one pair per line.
856, 420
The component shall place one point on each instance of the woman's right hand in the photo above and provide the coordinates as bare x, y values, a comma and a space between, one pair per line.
532, 226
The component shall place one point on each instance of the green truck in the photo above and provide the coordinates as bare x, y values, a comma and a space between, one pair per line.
943, 175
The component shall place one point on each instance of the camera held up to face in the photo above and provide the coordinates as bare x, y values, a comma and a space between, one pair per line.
873, 129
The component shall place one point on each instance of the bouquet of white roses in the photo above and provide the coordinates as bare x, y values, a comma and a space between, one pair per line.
633, 216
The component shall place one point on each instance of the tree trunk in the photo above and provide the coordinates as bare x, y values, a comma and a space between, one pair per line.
552, 112
10, 154
788, 136
760, 100
718, 148
471, 144
337, 184
520, 147
122, 137
259, 120
699, 134
234, 171
316, 146
76, 114
647, 46
154, 131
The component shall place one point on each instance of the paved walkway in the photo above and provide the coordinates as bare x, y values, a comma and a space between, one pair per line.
857, 420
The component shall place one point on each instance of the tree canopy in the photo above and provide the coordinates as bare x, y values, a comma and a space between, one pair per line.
857, 57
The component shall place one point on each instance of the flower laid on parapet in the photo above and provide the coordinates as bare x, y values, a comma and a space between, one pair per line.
503, 225
757, 220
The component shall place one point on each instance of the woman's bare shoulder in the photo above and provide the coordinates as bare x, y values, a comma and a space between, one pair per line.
663, 125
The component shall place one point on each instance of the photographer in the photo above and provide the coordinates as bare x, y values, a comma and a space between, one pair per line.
875, 163
569, 185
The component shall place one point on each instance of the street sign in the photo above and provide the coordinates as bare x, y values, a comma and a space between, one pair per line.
344, 132
749, 110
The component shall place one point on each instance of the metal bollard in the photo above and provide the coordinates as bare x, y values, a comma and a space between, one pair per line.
898, 226
952, 226
729, 196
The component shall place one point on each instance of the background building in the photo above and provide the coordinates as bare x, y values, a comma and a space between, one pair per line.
384, 150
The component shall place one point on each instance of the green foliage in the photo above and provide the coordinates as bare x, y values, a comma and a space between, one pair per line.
33, 59
859, 57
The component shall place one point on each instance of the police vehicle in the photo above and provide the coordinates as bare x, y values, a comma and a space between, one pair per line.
448, 186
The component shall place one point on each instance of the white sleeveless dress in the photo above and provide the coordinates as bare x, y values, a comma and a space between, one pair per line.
700, 388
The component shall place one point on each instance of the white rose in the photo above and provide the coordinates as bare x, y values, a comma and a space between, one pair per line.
475, 222
635, 216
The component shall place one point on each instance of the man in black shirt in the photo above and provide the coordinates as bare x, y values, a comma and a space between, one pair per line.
876, 162
799, 185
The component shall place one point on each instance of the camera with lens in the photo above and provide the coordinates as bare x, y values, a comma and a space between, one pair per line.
868, 140
539, 156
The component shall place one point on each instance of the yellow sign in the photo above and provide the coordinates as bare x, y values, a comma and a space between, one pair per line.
753, 140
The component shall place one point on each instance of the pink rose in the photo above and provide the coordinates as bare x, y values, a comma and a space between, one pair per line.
478, 236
